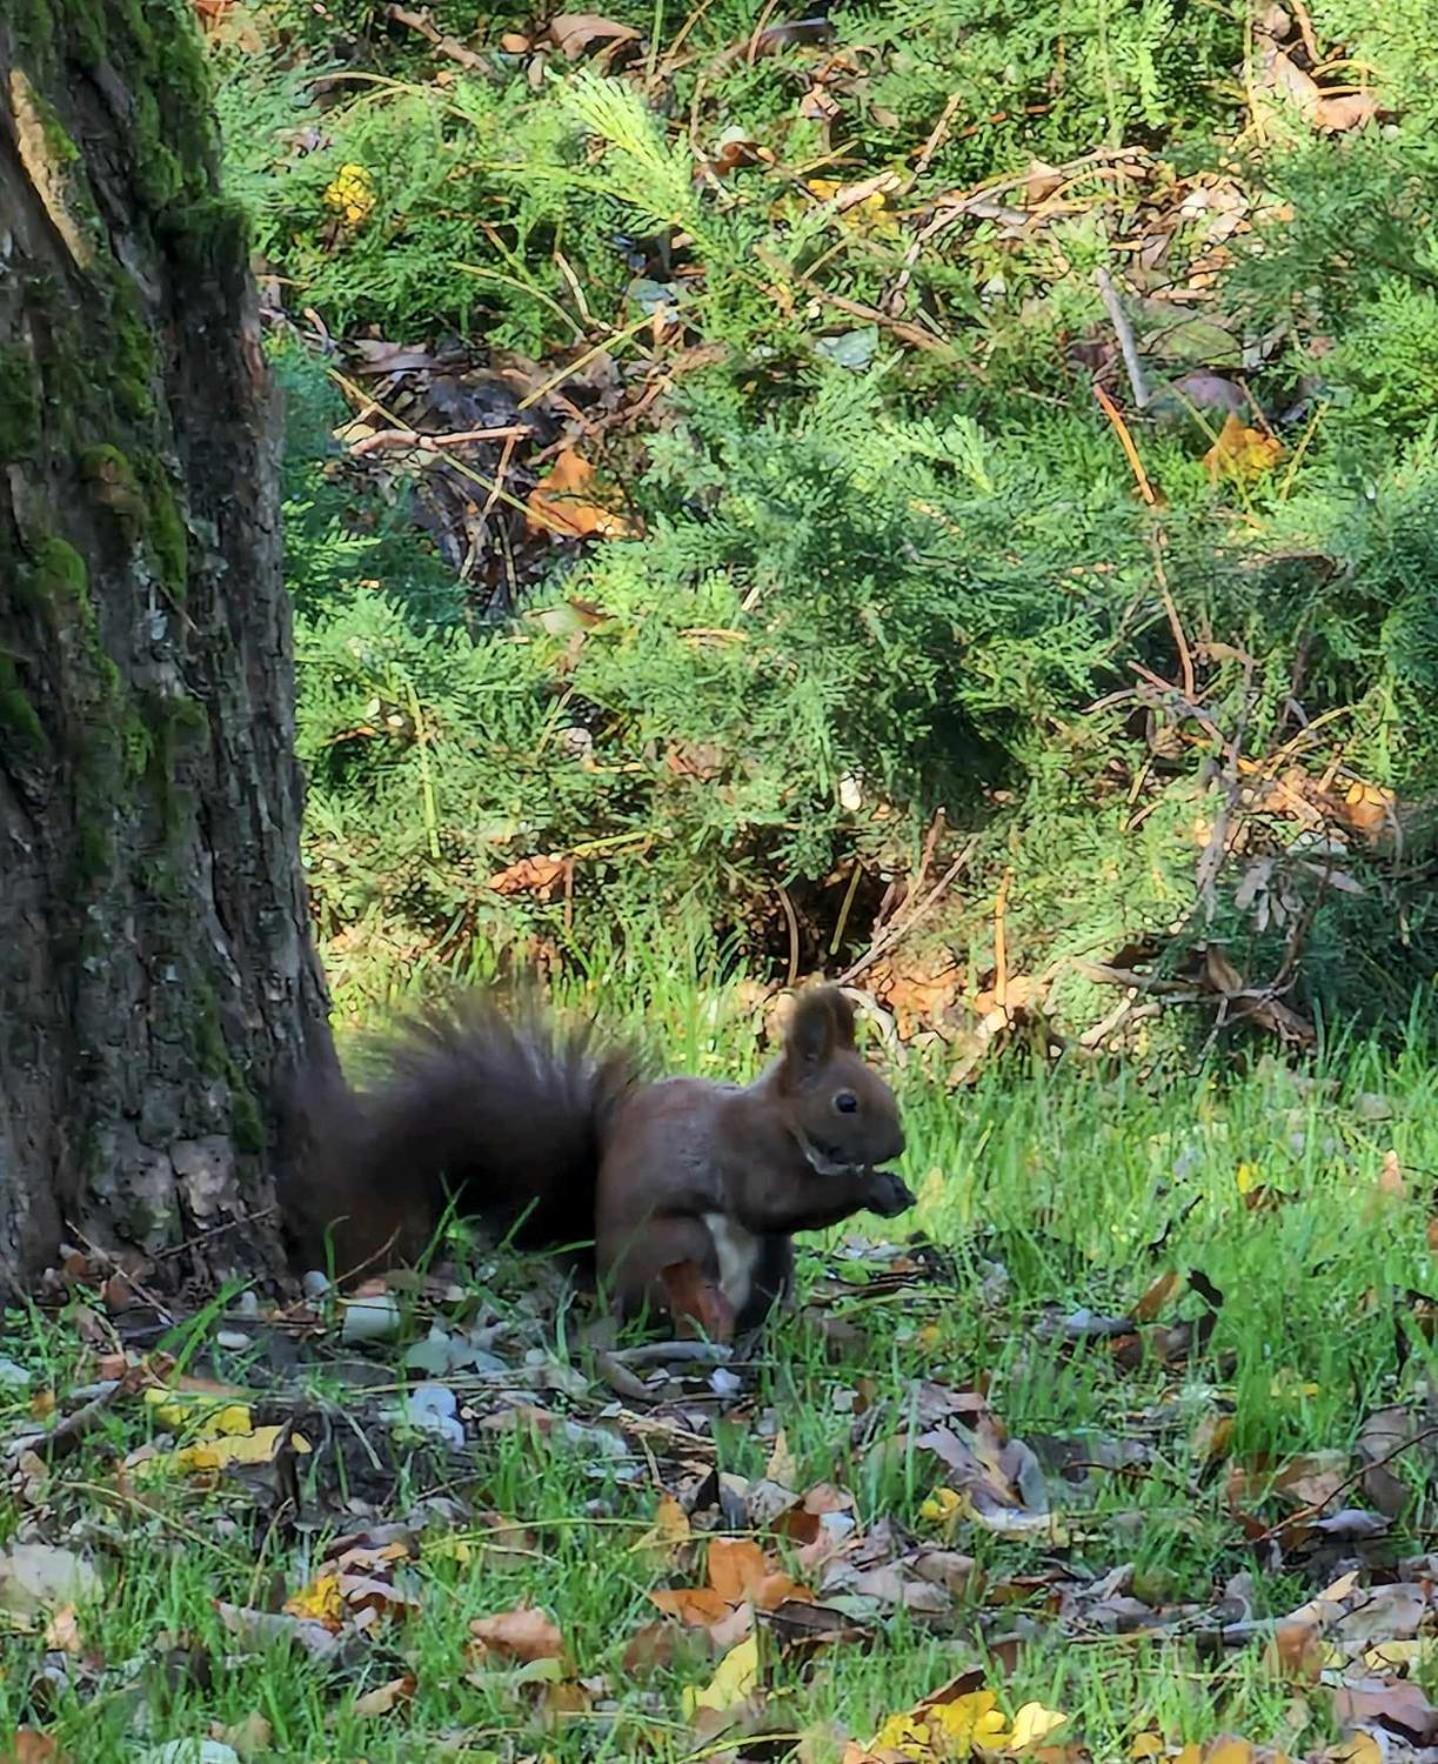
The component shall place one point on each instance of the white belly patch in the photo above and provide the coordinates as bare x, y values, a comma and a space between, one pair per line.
738, 1253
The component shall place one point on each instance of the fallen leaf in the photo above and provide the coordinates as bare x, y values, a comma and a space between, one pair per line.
783, 1467
319, 1602
1155, 1297
740, 1576
30, 1746
62, 1632
1242, 453
530, 875
1296, 1652
1400, 1707
575, 32
385, 1698
36, 1577
670, 1529
732, 1683
565, 503
524, 1634
656, 1647
1032, 1726
250, 1737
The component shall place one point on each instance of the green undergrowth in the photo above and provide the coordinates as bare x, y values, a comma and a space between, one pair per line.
1071, 1190
876, 580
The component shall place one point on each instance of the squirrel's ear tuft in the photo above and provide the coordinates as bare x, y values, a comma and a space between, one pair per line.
822, 1020
843, 1008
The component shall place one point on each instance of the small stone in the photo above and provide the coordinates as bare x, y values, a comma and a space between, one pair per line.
371, 1319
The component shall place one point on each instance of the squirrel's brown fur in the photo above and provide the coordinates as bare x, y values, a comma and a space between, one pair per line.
683, 1187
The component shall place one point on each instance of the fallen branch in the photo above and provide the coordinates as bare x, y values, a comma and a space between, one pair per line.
446, 45
415, 438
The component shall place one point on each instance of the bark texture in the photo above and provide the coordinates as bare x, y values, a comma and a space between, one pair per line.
158, 986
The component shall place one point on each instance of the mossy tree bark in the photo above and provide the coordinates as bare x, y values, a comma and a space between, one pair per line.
158, 985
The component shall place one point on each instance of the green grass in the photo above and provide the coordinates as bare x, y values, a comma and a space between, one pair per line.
1085, 1187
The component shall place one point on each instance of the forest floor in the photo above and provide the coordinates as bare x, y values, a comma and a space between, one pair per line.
1131, 1457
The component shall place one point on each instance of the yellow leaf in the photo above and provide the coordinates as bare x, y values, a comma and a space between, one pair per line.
447, 1547
669, 1530
1242, 453
1032, 1726
1246, 1178
179, 1408
736, 1677
352, 194
320, 1602
974, 1719
256, 1447
1147, 1745
941, 1506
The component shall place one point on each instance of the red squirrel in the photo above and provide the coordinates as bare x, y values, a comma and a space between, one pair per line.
689, 1190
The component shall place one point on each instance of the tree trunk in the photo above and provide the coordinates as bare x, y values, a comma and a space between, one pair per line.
158, 986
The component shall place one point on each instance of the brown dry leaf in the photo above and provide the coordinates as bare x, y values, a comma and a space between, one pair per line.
1229, 1750
1399, 1706
1390, 1178
524, 1634
1242, 453
530, 875
1313, 1479
1385, 1434
783, 1466
1344, 111
575, 32
671, 1522
62, 1632
30, 1746
1295, 1652
564, 503
740, 1572
1362, 1748
1331, 113
384, 1699
250, 1737
656, 1646
1156, 1297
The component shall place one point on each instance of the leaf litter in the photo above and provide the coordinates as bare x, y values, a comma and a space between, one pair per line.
764, 1574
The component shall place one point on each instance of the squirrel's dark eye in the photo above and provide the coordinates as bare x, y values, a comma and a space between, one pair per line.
846, 1103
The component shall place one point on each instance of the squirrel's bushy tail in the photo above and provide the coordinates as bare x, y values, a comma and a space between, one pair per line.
506, 1115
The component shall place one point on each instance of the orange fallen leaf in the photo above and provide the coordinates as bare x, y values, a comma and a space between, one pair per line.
565, 503
524, 1634
1368, 808
739, 1574
530, 875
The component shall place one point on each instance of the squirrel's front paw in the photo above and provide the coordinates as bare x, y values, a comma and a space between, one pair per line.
889, 1195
